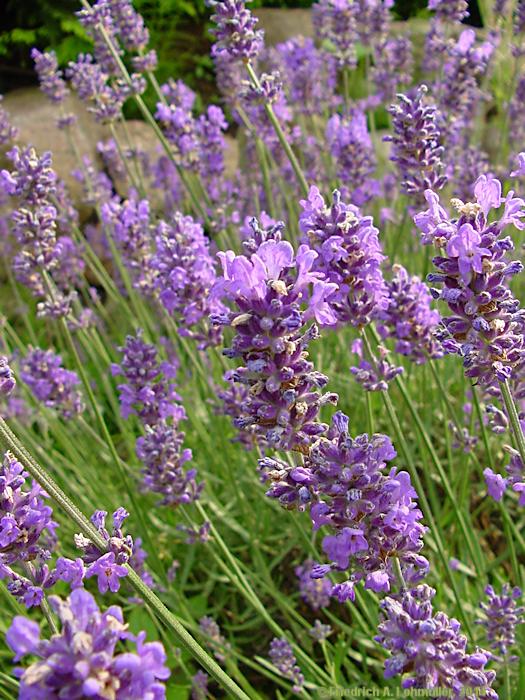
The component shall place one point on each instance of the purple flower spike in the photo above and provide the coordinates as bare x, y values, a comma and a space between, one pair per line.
282, 657
416, 148
368, 507
82, 659
52, 83
55, 386
349, 255
275, 293
502, 614
473, 271
428, 649
409, 318
236, 32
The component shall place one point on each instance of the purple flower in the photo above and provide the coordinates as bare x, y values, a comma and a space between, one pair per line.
393, 67
520, 170
496, 484
236, 34
376, 373
451, 10
50, 77
352, 150
416, 148
314, 591
275, 293
282, 657
185, 275
108, 573
349, 255
82, 659
428, 649
336, 21
199, 686
128, 223
308, 74
7, 379
472, 274
409, 318
27, 532
368, 507
320, 632
50, 383
149, 391
502, 615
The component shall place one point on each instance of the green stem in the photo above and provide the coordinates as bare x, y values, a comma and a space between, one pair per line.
512, 413
280, 134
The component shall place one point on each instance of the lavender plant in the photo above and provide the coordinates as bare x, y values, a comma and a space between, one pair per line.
303, 462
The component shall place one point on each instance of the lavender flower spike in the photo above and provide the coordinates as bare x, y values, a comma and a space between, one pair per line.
472, 273
502, 614
416, 145
236, 32
274, 294
52, 83
50, 383
349, 256
429, 650
282, 657
81, 660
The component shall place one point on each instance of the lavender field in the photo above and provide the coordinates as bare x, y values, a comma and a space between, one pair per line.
262, 424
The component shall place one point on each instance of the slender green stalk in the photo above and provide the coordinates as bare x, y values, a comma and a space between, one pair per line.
514, 419
10, 442
280, 134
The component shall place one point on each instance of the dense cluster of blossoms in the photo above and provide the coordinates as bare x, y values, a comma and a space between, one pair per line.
275, 294
335, 21
282, 656
429, 649
371, 508
349, 255
82, 660
458, 93
314, 591
150, 394
309, 76
128, 222
351, 147
373, 372
50, 77
35, 224
473, 272
51, 383
185, 275
502, 614
416, 148
27, 532
409, 318
236, 34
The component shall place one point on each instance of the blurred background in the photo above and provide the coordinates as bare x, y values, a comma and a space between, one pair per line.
179, 33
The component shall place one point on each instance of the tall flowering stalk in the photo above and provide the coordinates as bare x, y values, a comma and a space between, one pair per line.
150, 394
473, 273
